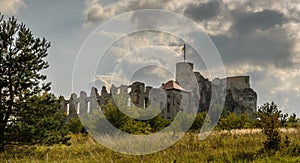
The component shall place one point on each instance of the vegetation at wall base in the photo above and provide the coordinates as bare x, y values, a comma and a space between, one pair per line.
239, 143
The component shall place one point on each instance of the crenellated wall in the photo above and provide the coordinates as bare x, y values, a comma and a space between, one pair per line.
82, 104
240, 97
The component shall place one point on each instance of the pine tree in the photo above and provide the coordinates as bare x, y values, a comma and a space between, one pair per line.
269, 115
21, 60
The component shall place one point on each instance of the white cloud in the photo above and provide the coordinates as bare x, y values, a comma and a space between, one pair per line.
236, 70
116, 78
151, 39
95, 11
11, 7
132, 53
112, 35
289, 80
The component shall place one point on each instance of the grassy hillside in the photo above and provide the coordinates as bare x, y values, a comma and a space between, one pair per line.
235, 146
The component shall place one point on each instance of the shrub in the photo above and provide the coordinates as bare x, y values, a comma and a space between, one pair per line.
269, 115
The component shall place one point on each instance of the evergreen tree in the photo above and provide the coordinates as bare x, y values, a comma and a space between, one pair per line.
21, 60
40, 122
269, 115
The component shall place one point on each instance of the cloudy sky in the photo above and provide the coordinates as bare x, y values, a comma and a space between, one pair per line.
256, 38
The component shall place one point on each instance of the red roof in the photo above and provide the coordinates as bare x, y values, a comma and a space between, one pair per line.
171, 85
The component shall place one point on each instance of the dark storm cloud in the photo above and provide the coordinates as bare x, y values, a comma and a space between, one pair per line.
243, 43
203, 11
250, 21
255, 48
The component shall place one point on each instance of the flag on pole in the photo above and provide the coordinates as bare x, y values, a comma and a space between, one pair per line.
184, 52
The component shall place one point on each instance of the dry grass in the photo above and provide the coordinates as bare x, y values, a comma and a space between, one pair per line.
257, 131
236, 146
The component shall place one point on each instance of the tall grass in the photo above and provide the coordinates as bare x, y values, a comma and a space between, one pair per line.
237, 146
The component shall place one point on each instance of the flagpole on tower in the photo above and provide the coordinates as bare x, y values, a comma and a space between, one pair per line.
184, 52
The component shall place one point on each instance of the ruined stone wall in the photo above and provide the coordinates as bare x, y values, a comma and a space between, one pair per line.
85, 104
169, 101
204, 91
239, 82
81, 105
240, 97
241, 100
137, 94
147, 96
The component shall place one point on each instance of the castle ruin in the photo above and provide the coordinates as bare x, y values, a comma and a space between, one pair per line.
240, 97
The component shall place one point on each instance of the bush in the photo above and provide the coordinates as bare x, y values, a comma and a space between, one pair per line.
74, 126
293, 121
269, 115
233, 121
198, 123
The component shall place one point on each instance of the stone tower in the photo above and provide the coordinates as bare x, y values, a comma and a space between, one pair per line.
137, 94
183, 71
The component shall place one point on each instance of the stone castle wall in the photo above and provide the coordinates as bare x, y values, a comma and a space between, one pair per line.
240, 97
239, 82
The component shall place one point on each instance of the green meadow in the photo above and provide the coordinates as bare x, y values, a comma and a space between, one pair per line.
219, 146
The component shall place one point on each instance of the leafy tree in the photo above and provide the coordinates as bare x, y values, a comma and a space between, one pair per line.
21, 60
158, 123
233, 121
114, 115
136, 127
74, 126
292, 118
40, 122
199, 121
283, 120
123, 122
293, 121
269, 115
